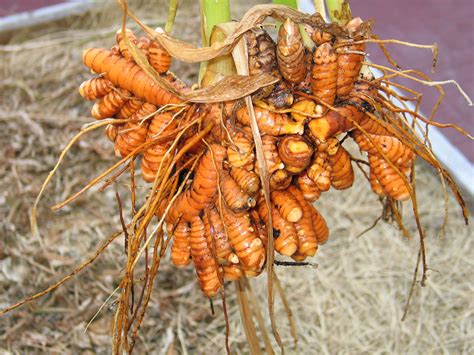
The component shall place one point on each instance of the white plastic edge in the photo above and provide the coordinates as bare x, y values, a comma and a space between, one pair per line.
45, 14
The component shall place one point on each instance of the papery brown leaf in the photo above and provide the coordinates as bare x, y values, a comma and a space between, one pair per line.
231, 88
189, 53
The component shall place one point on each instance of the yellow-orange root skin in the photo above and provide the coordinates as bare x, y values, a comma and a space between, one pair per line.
324, 73
236, 199
307, 238
287, 205
348, 66
290, 53
203, 190
271, 123
153, 156
181, 249
248, 181
127, 75
110, 104
319, 225
159, 58
204, 263
295, 152
245, 241
286, 239
95, 88
342, 173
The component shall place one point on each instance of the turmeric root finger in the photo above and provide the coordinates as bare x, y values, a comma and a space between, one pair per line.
245, 241
127, 75
153, 156
280, 180
205, 177
319, 171
219, 240
235, 198
111, 132
129, 137
307, 186
248, 181
180, 249
203, 190
335, 122
348, 65
123, 48
287, 205
130, 107
284, 232
204, 263
319, 224
307, 239
270, 122
110, 104
375, 184
391, 182
159, 58
270, 153
240, 154
319, 36
342, 173
134, 132
324, 73
143, 44
262, 55
352, 109
290, 53
306, 106
95, 88
295, 152
393, 149
232, 272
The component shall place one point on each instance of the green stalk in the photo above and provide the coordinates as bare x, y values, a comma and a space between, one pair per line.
320, 8
172, 9
339, 11
290, 3
214, 12
294, 4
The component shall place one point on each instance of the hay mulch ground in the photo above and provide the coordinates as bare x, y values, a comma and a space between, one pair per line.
351, 303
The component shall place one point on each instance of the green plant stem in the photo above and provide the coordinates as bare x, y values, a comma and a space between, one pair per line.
320, 8
339, 11
290, 3
213, 12
172, 9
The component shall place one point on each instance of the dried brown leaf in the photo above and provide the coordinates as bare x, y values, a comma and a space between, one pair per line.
232, 88
189, 53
